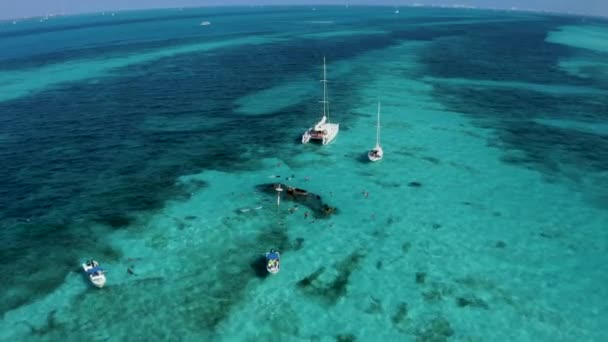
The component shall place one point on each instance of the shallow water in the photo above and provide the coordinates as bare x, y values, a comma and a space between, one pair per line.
141, 140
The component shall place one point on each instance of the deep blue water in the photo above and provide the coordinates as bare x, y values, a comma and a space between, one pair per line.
84, 152
519, 52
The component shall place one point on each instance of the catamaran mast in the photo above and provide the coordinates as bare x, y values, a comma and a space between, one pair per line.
325, 102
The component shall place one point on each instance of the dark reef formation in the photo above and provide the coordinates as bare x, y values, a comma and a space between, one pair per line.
331, 290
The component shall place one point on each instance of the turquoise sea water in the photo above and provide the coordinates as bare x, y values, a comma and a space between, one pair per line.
145, 141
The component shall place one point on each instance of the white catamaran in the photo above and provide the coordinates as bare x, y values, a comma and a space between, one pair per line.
323, 130
376, 153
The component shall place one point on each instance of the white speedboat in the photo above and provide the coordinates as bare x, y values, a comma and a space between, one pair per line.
322, 131
376, 153
205, 23
273, 262
95, 272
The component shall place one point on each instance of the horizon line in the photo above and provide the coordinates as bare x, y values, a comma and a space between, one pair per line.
181, 8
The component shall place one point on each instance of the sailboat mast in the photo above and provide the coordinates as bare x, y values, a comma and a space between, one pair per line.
378, 127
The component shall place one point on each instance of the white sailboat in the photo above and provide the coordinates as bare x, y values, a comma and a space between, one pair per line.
376, 153
324, 131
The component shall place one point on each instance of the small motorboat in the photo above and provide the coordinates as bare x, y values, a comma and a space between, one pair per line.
95, 272
273, 262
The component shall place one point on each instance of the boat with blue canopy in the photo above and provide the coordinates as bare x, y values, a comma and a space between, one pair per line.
95, 272
273, 262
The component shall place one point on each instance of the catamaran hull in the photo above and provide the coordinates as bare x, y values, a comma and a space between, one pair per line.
324, 138
306, 138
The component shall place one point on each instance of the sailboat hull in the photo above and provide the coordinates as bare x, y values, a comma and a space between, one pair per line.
376, 153
379, 153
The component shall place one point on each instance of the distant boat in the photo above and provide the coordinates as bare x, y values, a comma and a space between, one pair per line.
397, 11
323, 130
205, 23
376, 153
273, 262
95, 272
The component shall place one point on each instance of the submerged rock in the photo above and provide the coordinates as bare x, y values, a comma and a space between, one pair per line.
375, 306
405, 247
471, 301
298, 244
346, 338
438, 329
420, 277
334, 288
432, 295
400, 318
401, 313
310, 279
